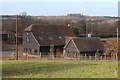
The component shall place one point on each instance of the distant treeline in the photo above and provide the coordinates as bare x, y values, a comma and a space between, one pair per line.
76, 22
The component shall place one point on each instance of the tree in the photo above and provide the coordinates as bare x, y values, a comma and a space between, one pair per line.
52, 50
106, 27
23, 14
97, 54
76, 32
80, 25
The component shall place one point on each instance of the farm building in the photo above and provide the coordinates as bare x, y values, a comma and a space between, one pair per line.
82, 46
37, 38
5, 34
6, 38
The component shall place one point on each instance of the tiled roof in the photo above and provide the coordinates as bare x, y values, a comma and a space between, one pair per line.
47, 34
88, 44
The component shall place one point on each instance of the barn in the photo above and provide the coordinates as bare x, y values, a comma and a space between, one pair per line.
37, 38
82, 46
5, 34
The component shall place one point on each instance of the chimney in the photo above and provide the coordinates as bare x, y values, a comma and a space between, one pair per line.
89, 35
69, 25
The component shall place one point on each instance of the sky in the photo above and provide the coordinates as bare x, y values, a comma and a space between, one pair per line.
59, 0
54, 8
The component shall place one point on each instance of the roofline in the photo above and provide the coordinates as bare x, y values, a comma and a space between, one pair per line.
26, 29
73, 43
82, 37
75, 46
50, 24
35, 39
67, 44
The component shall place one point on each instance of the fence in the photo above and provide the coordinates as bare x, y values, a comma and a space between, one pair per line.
6, 55
105, 57
51, 57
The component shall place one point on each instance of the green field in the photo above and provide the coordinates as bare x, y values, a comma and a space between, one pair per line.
59, 69
104, 39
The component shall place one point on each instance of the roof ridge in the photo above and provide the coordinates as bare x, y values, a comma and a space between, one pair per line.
52, 24
83, 37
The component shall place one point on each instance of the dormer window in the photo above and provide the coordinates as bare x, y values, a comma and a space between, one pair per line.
27, 39
60, 37
50, 38
40, 38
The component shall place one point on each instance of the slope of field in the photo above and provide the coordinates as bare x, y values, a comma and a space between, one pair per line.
59, 69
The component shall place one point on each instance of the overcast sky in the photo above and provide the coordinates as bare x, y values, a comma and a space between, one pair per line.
54, 8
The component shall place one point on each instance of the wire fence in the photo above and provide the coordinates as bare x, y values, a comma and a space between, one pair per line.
54, 57
7, 55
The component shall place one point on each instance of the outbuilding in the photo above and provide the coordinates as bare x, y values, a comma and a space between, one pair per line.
82, 46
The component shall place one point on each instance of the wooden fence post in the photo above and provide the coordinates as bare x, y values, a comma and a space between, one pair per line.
40, 56
95, 57
79, 57
105, 57
89, 57
114, 57
85, 56
27, 56
100, 57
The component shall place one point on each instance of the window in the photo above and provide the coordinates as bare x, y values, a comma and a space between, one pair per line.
40, 38
60, 37
50, 38
35, 51
27, 39
25, 49
8, 35
30, 50
27, 33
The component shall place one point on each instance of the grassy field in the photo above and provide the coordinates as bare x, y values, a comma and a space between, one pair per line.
109, 38
59, 69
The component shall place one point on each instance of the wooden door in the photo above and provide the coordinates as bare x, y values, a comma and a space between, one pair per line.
58, 53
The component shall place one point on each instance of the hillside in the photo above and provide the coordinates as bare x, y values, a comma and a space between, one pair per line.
78, 23
74, 18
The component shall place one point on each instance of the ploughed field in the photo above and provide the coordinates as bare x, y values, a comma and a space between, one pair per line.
59, 69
